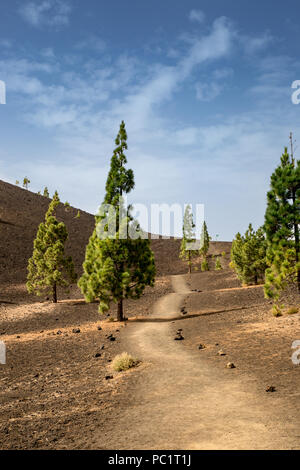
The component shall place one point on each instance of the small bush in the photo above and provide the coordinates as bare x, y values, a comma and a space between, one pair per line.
276, 311
218, 265
292, 311
123, 362
204, 265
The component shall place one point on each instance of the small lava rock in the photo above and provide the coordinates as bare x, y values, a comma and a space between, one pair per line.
98, 355
76, 330
271, 389
221, 353
179, 337
109, 377
99, 328
59, 332
201, 346
230, 365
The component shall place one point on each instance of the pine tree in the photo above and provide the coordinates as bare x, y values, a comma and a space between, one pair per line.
116, 267
49, 267
204, 265
282, 221
248, 256
187, 252
218, 265
46, 192
204, 247
26, 182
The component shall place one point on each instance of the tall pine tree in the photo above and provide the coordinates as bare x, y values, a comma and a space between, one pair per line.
49, 267
282, 221
204, 247
119, 262
187, 251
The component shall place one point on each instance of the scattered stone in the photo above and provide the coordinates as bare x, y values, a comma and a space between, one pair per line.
99, 328
76, 330
111, 337
271, 389
230, 365
102, 346
98, 355
18, 337
179, 337
201, 346
59, 332
109, 377
221, 353
36, 376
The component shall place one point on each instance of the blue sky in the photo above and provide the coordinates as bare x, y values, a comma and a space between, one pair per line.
204, 88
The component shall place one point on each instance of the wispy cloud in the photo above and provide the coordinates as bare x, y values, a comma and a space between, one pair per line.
197, 15
91, 42
256, 44
81, 102
53, 13
208, 91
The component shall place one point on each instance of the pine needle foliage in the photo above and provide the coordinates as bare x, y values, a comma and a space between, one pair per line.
282, 220
187, 251
49, 267
119, 262
248, 256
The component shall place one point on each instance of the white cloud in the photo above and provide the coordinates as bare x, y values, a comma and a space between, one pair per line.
208, 91
253, 45
224, 165
197, 15
53, 13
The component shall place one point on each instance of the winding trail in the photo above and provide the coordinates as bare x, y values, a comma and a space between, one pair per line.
180, 402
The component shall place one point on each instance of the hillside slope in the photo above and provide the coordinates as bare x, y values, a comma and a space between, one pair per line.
21, 212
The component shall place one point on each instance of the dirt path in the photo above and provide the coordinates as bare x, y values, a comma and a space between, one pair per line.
180, 402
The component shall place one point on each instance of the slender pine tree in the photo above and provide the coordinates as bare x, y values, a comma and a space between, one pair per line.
282, 221
187, 251
204, 247
49, 267
119, 262
218, 265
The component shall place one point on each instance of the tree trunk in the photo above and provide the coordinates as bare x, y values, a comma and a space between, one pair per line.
297, 242
190, 263
120, 311
54, 293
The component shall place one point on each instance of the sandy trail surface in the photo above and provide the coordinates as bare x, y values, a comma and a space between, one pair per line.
181, 402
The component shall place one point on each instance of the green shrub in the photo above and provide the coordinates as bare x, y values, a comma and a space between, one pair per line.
276, 311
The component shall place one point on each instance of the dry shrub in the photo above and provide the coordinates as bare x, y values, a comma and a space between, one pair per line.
292, 310
123, 362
